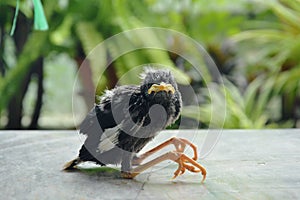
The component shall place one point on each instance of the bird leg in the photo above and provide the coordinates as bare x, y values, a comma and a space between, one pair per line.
179, 143
184, 162
178, 157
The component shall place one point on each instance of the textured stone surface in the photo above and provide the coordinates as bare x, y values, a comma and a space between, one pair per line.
253, 164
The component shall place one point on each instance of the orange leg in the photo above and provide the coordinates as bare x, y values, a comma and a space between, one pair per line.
179, 143
178, 157
184, 162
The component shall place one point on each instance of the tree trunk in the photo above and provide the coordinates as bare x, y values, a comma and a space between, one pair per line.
39, 72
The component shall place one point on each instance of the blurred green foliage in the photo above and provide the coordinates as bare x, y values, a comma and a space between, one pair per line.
255, 45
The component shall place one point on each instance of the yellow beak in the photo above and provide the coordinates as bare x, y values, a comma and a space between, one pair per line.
161, 87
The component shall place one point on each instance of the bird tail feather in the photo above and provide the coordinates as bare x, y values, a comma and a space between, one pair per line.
71, 165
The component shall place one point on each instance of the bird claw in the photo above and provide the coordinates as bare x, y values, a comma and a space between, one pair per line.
186, 163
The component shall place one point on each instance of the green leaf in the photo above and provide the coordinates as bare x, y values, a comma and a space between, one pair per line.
250, 94
287, 15
266, 35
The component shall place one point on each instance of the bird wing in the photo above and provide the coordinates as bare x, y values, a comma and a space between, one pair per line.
102, 124
108, 139
112, 105
90, 123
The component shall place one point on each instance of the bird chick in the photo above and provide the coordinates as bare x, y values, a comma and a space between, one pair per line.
130, 116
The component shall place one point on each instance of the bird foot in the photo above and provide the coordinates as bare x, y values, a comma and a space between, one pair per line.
186, 163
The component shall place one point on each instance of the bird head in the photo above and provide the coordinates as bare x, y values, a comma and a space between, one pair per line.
158, 84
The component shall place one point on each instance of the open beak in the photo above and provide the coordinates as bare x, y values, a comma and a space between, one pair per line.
161, 87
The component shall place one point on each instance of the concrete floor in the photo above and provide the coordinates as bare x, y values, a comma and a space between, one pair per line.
252, 164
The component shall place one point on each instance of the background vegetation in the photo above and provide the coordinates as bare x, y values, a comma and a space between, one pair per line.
255, 45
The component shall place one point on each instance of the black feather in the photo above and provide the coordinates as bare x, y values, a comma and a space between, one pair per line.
127, 118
